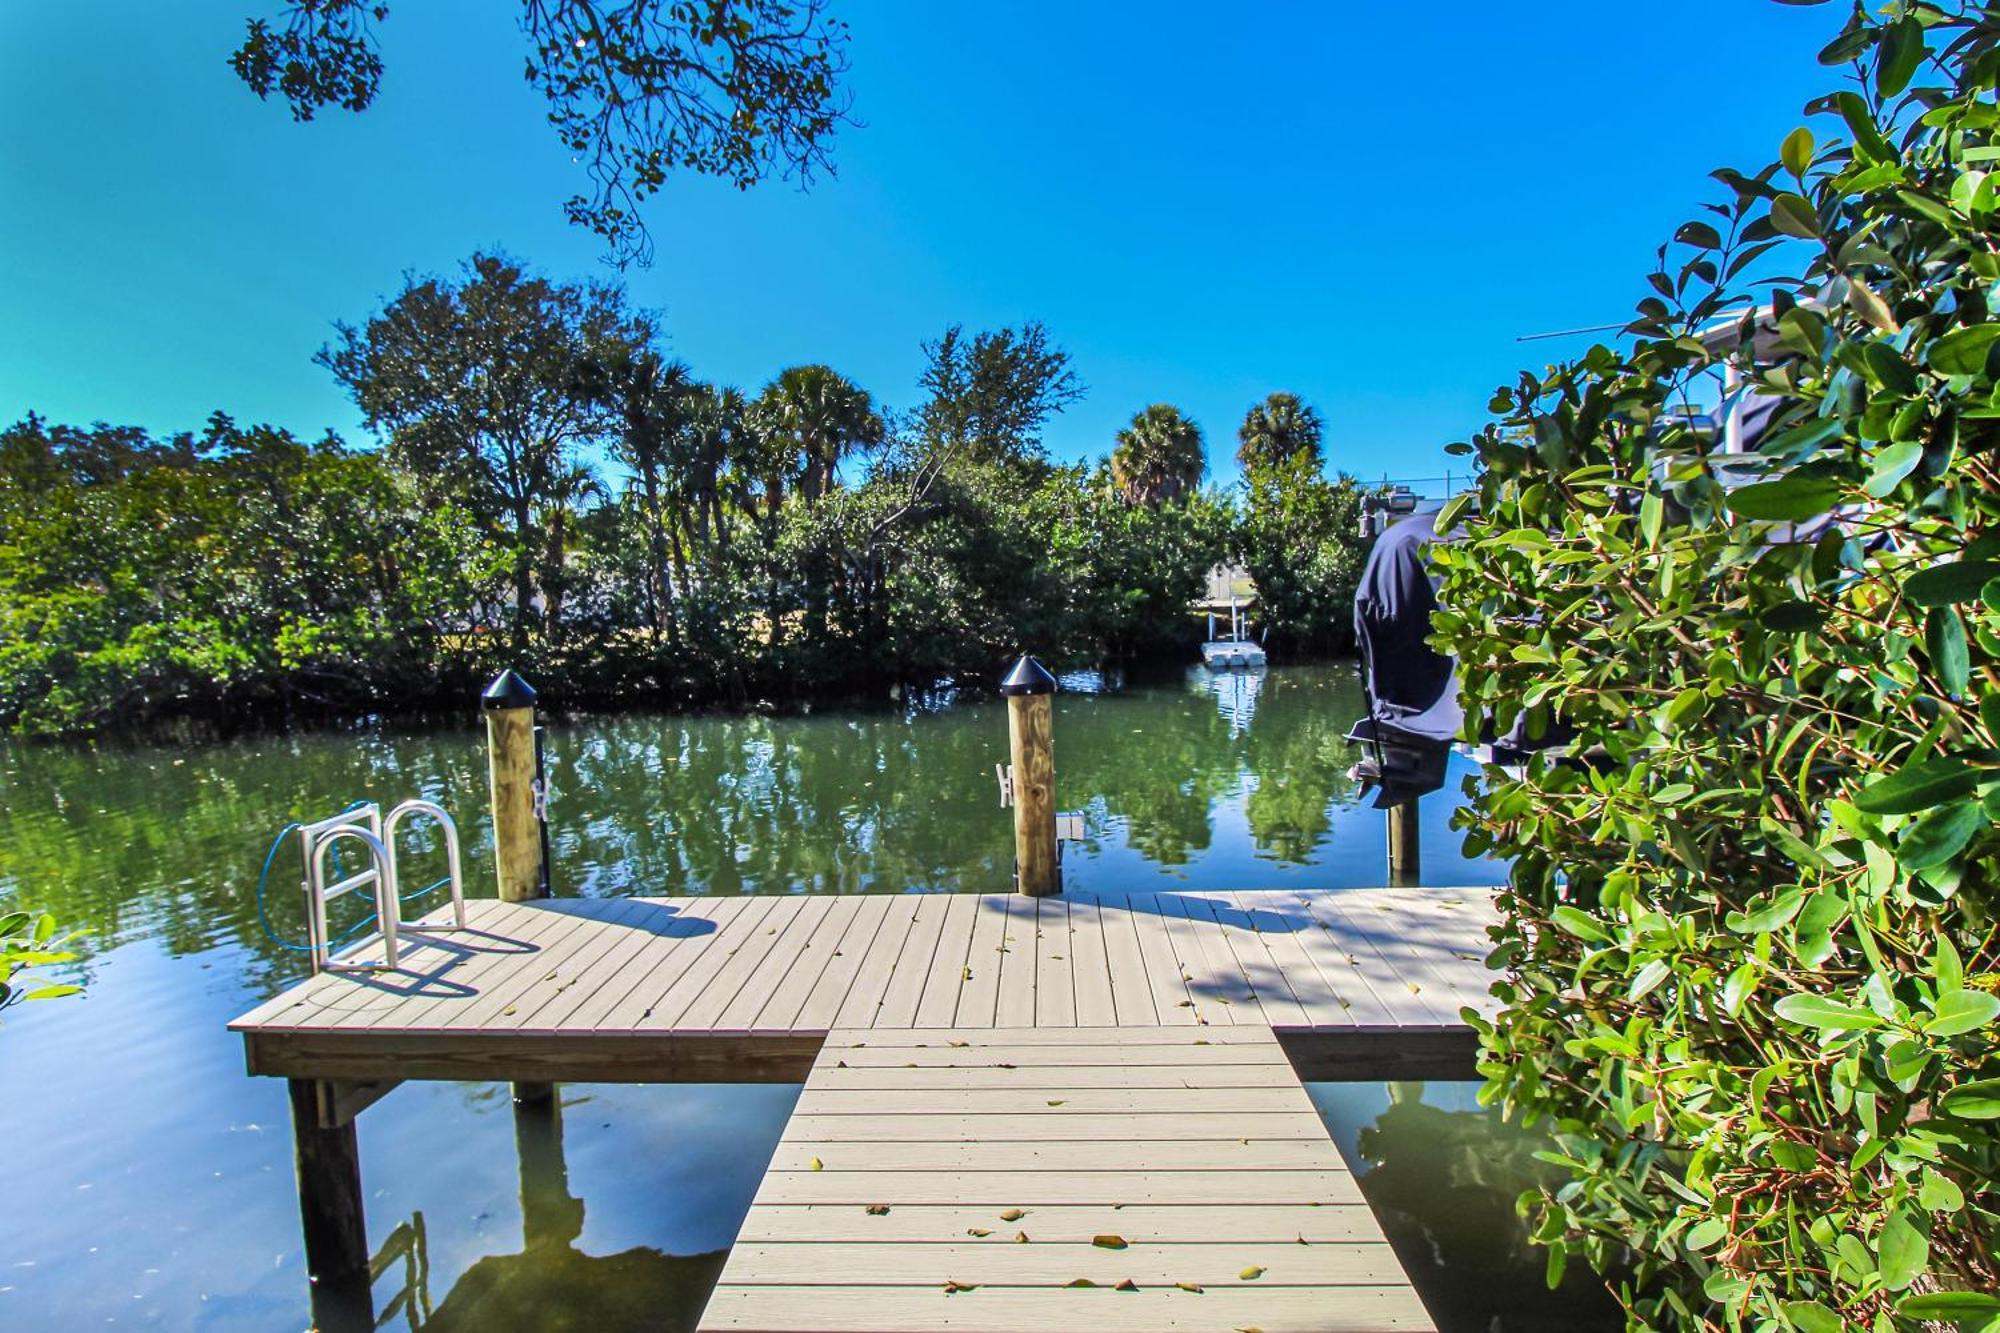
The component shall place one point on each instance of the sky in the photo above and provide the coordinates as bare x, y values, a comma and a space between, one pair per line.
1365, 205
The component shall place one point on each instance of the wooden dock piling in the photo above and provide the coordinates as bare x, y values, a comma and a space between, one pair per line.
519, 846
1405, 859
1029, 690
509, 707
330, 1209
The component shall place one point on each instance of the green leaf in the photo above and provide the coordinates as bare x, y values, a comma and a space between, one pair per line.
1861, 124
1902, 53
1573, 921
1963, 1011
1649, 978
1965, 350
1973, 1101
1920, 786
1797, 151
1453, 511
1944, 585
1944, 642
1894, 463
1793, 216
1939, 1193
1819, 1012
1812, 1317
1948, 1305
1705, 1233
1940, 835
1755, 919
1685, 707
1787, 499
1738, 988
1903, 1249
1699, 235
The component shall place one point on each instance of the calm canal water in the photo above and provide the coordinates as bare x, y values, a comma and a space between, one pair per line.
149, 1181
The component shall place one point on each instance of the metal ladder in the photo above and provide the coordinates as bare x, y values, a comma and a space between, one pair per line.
364, 823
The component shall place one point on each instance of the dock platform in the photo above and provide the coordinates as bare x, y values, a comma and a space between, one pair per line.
1116, 1077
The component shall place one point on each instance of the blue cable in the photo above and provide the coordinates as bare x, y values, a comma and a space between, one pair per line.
264, 876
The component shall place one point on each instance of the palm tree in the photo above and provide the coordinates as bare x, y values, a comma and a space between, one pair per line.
652, 399
1159, 457
810, 417
1276, 430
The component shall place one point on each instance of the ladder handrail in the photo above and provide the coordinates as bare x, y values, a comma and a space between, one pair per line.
323, 839
419, 806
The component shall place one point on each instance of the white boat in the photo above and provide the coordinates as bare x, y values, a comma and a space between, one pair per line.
1235, 653
1231, 655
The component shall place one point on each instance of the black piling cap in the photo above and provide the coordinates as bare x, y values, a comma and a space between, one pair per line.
508, 690
1028, 677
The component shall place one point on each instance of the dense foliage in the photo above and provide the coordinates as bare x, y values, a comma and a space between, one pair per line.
1750, 934
552, 491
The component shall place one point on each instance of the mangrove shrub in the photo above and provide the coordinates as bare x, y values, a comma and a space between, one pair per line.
1749, 938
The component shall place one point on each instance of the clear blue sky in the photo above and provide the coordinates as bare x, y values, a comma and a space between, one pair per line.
1363, 204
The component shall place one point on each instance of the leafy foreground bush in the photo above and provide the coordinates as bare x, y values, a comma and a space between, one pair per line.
1751, 945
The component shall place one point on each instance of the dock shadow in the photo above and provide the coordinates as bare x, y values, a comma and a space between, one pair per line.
429, 957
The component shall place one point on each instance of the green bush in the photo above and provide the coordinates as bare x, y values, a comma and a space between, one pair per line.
1750, 940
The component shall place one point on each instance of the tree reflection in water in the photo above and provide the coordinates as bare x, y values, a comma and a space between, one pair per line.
551, 1284
1442, 1174
124, 841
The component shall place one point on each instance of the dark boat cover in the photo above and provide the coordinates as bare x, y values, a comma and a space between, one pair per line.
1412, 688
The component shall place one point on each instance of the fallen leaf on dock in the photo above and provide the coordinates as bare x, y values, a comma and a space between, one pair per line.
961, 1043
951, 1287
965, 974
816, 1164
1020, 1238
1126, 1284
1108, 1242
877, 1210
1012, 1215
1080, 1282
1251, 1274
979, 1231
1189, 1286
1058, 1101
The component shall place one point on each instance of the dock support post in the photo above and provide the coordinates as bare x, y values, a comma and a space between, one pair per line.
509, 706
1029, 690
514, 785
336, 1229
1405, 863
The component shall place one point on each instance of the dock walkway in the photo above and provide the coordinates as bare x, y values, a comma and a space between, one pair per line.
1106, 1065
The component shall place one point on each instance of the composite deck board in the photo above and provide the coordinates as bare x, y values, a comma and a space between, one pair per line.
917, 1203
1353, 961
1107, 1064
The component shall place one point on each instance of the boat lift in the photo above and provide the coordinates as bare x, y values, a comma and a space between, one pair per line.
364, 823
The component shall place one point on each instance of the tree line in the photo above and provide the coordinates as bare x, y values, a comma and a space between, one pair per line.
550, 489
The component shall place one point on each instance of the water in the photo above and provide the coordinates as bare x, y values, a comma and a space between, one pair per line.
150, 1181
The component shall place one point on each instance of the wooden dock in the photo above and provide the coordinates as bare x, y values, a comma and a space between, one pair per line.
1116, 1077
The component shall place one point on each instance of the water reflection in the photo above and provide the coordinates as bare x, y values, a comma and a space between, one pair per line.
1238, 780
551, 1283
1441, 1174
